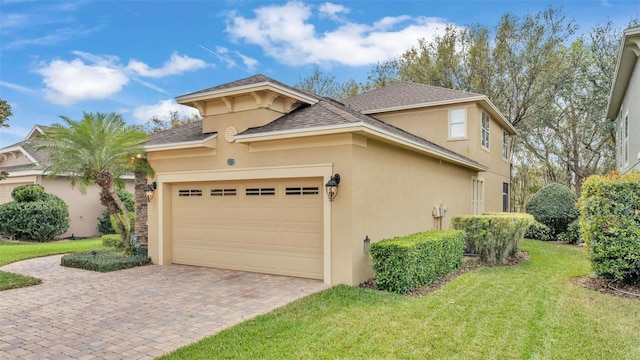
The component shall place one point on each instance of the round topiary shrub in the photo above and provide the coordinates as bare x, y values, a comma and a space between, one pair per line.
555, 206
33, 215
538, 231
104, 221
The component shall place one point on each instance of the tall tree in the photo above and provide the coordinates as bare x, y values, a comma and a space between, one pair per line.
5, 113
174, 119
325, 84
96, 150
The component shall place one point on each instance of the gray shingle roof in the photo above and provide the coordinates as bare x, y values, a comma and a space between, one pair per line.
188, 132
255, 79
30, 146
329, 112
404, 94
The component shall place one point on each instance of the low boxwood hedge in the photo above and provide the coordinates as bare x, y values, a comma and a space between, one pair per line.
402, 264
493, 236
105, 260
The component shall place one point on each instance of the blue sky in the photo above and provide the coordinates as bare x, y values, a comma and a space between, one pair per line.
135, 57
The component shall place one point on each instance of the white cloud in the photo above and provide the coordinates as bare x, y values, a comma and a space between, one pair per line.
68, 82
224, 55
91, 76
249, 62
285, 33
332, 10
162, 110
176, 64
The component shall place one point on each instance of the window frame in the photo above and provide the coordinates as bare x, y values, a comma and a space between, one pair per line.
505, 145
463, 112
485, 132
626, 139
477, 195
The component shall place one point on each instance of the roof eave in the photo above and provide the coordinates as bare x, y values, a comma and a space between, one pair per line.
204, 143
358, 127
19, 148
199, 96
626, 64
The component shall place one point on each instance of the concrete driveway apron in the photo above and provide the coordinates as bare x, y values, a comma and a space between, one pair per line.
137, 313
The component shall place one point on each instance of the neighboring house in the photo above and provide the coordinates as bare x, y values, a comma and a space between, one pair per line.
25, 165
245, 187
624, 102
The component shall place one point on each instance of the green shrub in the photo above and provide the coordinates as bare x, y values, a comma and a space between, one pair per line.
104, 260
494, 236
572, 234
610, 225
33, 215
538, 231
112, 240
28, 193
104, 221
402, 264
555, 206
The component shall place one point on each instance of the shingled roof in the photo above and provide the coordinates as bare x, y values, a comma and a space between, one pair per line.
251, 80
189, 132
29, 145
404, 93
328, 112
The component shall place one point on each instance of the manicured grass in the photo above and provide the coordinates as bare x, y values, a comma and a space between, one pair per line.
12, 252
530, 310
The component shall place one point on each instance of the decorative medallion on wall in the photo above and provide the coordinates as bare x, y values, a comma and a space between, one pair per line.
230, 134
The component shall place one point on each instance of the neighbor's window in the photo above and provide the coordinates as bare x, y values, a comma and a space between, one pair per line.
457, 123
505, 145
485, 130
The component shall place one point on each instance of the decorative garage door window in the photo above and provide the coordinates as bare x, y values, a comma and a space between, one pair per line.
190, 192
260, 191
223, 192
313, 190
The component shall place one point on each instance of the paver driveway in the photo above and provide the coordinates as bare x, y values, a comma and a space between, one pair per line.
137, 313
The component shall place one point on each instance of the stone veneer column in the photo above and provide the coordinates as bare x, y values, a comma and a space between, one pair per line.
141, 229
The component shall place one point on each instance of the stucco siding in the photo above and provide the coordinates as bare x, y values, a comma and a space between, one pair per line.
630, 107
394, 192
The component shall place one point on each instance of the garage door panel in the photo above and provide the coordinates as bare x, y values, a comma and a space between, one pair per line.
278, 230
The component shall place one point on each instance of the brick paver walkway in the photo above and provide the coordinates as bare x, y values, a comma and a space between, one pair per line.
137, 313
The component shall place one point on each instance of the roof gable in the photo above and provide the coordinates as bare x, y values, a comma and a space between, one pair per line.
627, 58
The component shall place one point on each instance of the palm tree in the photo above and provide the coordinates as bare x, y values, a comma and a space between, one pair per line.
96, 150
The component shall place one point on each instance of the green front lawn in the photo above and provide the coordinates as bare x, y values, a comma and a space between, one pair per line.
12, 252
525, 311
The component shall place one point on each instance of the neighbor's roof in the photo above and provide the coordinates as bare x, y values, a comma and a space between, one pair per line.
29, 147
627, 58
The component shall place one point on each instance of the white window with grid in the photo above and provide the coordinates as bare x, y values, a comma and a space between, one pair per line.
477, 200
458, 123
485, 130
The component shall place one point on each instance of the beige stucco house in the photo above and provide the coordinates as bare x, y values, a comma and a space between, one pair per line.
26, 165
624, 102
245, 187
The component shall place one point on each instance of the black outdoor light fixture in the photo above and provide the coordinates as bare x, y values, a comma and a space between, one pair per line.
367, 245
332, 186
150, 190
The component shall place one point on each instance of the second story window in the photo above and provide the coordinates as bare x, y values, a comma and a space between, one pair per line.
626, 140
505, 145
457, 123
485, 130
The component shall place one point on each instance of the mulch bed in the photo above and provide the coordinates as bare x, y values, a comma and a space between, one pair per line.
470, 262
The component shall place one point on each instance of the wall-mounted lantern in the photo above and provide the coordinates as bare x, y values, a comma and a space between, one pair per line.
332, 186
150, 190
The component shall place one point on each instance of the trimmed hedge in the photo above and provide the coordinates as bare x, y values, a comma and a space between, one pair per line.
33, 215
402, 264
555, 206
538, 231
112, 240
104, 260
494, 236
610, 225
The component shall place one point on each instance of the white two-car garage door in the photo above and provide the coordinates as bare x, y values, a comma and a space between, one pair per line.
267, 226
